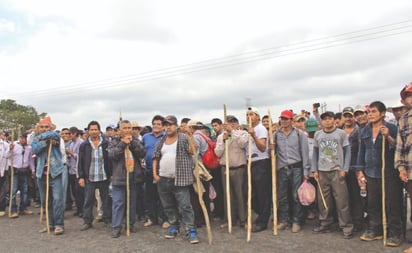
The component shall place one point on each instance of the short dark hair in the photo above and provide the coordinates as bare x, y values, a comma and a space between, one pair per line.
158, 117
378, 105
93, 123
184, 120
265, 117
338, 115
216, 120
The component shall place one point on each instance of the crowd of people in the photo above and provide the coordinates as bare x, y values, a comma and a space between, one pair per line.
356, 159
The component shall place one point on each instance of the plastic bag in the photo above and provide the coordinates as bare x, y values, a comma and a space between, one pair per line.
212, 192
306, 193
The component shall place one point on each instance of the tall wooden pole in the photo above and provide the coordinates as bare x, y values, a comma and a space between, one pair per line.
11, 173
48, 186
274, 183
384, 223
249, 185
228, 202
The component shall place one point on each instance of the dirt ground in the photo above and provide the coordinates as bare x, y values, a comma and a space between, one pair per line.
21, 235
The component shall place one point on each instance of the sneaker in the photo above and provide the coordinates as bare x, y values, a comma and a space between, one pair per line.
148, 223
282, 225
171, 233
115, 233
2, 213
393, 241
347, 235
58, 231
295, 228
165, 225
192, 236
321, 229
14, 215
86, 226
369, 235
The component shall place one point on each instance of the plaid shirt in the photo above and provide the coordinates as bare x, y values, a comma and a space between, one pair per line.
184, 160
403, 153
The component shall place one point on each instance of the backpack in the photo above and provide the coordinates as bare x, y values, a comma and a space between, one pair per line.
209, 158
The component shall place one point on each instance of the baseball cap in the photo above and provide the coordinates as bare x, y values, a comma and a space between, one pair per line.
286, 114
299, 117
254, 110
170, 119
111, 126
311, 125
327, 114
348, 110
359, 108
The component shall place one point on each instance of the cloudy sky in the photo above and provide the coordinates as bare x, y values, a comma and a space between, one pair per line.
88, 60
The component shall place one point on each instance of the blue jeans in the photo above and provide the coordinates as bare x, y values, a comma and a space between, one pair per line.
289, 181
65, 178
56, 204
175, 200
119, 205
20, 182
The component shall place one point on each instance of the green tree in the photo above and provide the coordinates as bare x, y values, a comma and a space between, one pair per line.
17, 117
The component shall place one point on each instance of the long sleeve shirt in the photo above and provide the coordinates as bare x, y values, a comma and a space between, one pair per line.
22, 157
403, 153
237, 143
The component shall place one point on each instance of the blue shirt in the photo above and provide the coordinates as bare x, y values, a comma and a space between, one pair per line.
149, 142
370, 153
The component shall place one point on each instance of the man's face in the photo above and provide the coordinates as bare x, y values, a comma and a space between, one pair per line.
125, 129
183, 127
157, 126
338, 122
300, 124
65, 134
265, 123
407, 101
285, 122
217, 127
253, 116
136, 131
348, 120
361, 118
93, 131
44, 128
374, 115
398, 112
328, 122
23, 140
171, 130
110, 132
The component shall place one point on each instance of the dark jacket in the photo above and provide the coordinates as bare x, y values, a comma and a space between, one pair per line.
116, 154
85, 159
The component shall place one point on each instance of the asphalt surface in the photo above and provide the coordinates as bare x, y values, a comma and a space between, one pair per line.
21, 235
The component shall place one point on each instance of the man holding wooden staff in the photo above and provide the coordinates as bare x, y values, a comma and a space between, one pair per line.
238, 140
40, 146
119, 154
261, 173
374, 155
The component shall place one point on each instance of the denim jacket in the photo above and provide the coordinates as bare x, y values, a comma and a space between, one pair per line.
370, 154
41, 148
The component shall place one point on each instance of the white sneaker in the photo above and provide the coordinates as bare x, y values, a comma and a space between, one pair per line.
2, 213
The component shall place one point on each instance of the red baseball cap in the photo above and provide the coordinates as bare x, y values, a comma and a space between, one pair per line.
287, 114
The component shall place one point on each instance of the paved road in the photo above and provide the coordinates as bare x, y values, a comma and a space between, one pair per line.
20, 235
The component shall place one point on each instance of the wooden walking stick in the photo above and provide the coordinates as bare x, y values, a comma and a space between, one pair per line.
228, 203
274, 183
129, 168
384, 223
48, 186
11, 174
321, 194
249, 185
199, 187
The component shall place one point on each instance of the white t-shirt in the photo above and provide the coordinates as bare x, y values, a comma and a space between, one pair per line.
260, 132
167, 165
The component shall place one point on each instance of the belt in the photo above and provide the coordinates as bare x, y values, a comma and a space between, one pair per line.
168, 177
235, 168
292, 166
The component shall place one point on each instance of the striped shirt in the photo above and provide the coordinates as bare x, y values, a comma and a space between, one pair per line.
96, 170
